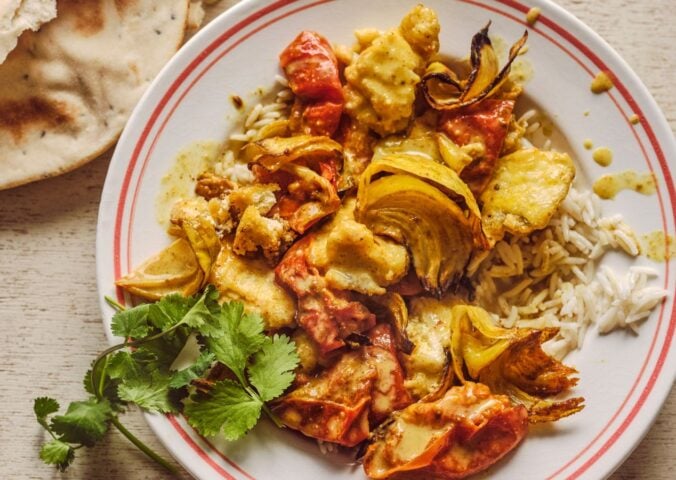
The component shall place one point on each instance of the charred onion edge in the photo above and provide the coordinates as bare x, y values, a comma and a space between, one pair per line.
479, 41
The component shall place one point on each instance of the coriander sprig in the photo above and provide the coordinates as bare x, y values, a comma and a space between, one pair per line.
140, 371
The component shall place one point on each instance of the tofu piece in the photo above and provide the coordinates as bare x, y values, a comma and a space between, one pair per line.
382, 80
429, 329
352, 257
526, 189
252, 282
256, 231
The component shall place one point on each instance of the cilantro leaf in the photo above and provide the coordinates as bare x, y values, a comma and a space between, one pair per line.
43, 407
123, 365
84, 422
201, 313
160, 353
132, 322
56, 452
170, 310
109, 391
272, 369
192, 311
197, 369
227, 408
150, 392
241, 335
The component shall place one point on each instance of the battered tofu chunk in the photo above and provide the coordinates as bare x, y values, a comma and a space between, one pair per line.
381, 82
353, 258
526, 189
252, 282
429, 329
256, 231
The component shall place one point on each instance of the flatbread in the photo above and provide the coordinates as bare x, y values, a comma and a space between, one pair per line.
17, 16
67, 90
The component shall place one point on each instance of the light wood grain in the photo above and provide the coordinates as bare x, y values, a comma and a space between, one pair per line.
51, 326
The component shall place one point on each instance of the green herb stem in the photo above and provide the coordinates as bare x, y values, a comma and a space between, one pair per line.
266, 409
114, 303
135, 343
143, 447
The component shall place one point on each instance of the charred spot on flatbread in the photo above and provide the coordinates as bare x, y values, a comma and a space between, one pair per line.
77, 79
122, 5
18, 116
87, 15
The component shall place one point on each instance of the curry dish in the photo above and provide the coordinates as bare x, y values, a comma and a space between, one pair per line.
390, 173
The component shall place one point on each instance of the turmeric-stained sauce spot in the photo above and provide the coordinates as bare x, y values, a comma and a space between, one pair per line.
18, 116
601, 83
603, 156
658, 246
608, 186
533, 15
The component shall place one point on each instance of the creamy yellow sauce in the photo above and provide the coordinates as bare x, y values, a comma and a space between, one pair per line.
179, 181
588, 144
658, 246
608, 186
533, 15
500, 47
603, 156
521, 71
601, 83
634, 119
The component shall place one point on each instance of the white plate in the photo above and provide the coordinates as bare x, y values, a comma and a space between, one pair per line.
624, 378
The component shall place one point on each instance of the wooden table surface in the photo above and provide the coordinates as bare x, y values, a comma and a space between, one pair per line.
49, 315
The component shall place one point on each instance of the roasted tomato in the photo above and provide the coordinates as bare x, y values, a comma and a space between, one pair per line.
485, 122
343, 402
389, 393
463, 433
312, 70
332, 407
327, 315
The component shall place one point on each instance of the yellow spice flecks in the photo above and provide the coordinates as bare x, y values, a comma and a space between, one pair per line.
588, 144
608, 186
179, 181
603, 156
601, 83
521, 71
634, 119
586, 113
658, 246
533, 15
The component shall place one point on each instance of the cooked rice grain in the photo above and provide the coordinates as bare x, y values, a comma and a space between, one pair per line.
549, 278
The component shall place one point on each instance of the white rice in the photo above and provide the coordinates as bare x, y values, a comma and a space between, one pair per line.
261, 115
550, 278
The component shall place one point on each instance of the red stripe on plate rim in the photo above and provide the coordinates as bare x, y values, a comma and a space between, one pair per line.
624, 92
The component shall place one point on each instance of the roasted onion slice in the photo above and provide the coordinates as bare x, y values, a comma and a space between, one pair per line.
273, 153
173, 270
445, 180
444, 91
418, 215
305, 167
511, 362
